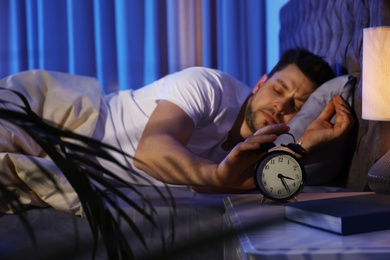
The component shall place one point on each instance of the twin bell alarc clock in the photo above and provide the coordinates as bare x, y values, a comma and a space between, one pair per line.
279, 175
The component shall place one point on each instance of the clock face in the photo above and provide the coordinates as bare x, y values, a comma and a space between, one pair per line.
279, 176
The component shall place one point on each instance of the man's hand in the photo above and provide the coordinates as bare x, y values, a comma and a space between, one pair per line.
236, 170
321, 131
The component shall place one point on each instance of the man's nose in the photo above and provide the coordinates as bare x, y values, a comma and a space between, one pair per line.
284, 106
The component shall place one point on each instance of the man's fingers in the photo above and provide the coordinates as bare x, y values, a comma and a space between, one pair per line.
343, 112
328, 112
340, 103
253, 143
273, 129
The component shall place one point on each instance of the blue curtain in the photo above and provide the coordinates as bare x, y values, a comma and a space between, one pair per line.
130, 43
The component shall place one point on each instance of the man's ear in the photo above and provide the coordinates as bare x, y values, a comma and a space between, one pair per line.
260, 83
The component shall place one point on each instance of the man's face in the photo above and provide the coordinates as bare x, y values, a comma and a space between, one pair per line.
278, 98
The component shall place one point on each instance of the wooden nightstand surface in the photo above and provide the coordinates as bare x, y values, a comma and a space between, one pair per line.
263, 233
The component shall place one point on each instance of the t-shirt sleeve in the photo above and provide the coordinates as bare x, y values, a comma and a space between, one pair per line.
195, 90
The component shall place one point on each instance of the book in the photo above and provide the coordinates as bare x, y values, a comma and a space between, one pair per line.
343, 215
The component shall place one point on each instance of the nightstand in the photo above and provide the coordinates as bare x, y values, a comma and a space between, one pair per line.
263, 233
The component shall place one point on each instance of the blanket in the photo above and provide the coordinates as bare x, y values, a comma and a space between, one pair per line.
71, 102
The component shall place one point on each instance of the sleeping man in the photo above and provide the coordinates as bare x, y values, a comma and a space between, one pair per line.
198, 127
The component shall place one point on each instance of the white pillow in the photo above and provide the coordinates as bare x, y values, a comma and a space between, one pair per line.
325, 164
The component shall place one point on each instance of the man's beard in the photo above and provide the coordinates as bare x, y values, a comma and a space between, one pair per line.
249, 119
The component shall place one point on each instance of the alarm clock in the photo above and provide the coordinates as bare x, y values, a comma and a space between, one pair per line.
279, 175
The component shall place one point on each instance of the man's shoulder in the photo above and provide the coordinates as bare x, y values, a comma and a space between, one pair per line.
206, 80
203, 71
209, 75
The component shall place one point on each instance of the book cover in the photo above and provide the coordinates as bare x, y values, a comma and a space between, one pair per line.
343, 215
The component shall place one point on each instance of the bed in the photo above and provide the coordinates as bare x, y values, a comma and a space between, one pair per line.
332, 29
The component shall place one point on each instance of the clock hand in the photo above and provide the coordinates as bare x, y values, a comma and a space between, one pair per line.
281, 177
284, 177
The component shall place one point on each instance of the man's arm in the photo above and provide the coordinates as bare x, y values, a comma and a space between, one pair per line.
162, 153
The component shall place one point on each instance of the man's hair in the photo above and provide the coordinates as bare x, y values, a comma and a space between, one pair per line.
312, 66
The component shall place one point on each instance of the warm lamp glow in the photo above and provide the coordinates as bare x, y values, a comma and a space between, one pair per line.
376, 74
376, 96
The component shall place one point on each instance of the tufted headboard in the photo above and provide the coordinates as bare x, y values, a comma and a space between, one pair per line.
333, 29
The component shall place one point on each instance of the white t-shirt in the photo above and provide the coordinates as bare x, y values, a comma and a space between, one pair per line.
211, 98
